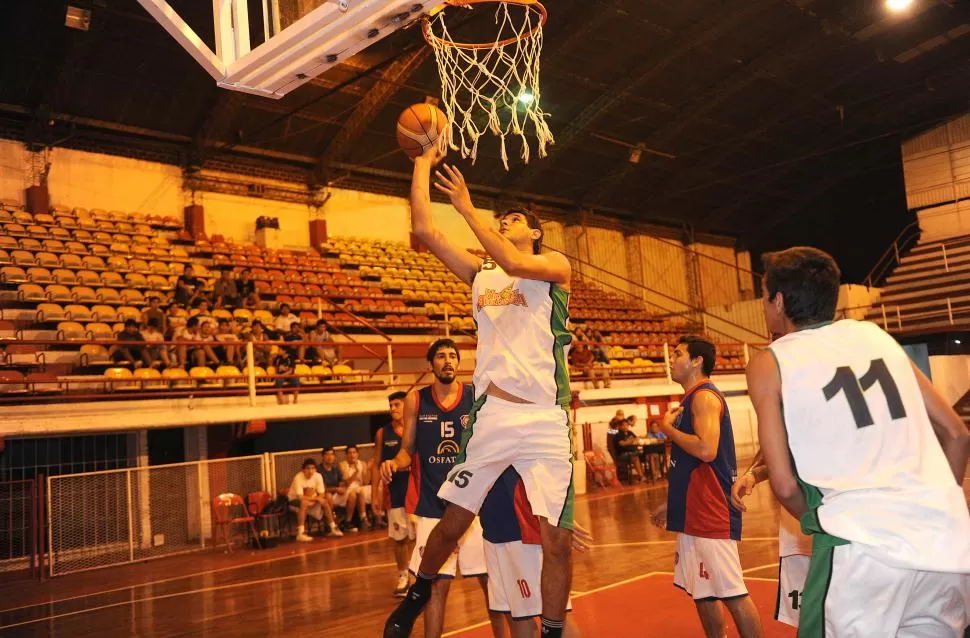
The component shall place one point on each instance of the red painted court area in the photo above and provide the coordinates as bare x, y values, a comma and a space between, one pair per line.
651, 605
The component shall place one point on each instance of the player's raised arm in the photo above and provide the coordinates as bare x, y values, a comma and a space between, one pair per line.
402, 460
948, 426
552, 267
457, 259
764, 388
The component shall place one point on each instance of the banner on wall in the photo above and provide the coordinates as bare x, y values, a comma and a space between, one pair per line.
920, 354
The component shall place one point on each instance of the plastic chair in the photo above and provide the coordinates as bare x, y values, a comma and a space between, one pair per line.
225, 510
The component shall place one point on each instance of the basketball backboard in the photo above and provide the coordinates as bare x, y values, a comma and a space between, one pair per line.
307, 39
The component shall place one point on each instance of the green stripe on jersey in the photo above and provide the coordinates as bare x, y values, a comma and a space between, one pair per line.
466, 434
558, 319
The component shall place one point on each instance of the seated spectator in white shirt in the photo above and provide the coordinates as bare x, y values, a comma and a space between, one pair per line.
285, 320
326, 354
354, 472
308, 495
152, 333
226, 352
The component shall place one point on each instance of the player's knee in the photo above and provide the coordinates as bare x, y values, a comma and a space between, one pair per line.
454, 523
557, 544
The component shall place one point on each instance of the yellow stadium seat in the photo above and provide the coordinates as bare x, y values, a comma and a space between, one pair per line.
71, 331
129, 312
50, 312
150, 378
303, 369
57, 292
103, 313
91, 354
204, 376
39, 275
228, 371
100, 330
261, 380
177, 378
78, 312
65, 277
12, 275
119, 379
31, 292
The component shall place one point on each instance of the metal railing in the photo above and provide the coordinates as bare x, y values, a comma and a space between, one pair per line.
283, 466
21, 523
100, 519
907, 237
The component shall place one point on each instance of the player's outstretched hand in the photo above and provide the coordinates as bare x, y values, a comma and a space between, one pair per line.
741, 488
388, 468
582, 538
659, 517
450, 181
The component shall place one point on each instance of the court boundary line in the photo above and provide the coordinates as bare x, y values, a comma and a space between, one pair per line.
192, 575
201, 590
755, 539
626, 581
765, 566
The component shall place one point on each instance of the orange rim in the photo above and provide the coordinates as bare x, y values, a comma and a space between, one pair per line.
528, 4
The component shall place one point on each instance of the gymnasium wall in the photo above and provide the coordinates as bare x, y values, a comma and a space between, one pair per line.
936, 170
951, 376
12, 179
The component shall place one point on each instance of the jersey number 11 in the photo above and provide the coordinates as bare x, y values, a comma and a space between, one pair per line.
845, 381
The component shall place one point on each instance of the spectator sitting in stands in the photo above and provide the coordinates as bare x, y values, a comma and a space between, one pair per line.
627, 446
196, 354
285, 320
294, 334
202, 312
250, 303
261, 351
656, 457
188, 288
224, 293
601, 357
654, 432
358, 494
283, 363
582, 359
308, 496
154, 311
336, 486
135, 355
324, 354
246, 287
156, 353
174, 320
224, 335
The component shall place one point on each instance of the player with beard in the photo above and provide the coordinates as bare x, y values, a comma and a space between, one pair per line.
434, 417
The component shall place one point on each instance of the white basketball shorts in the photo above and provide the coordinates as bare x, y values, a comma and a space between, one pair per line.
792, 572
469, 556
400, 525
514, 574
533, 439
850, 593
708, 568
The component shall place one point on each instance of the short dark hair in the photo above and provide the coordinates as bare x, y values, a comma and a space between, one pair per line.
700, 347
531, 219
397, 396
808, 280
351, 447
222, 320
308, 461
438, 345
329, 448
191, 322
130, 322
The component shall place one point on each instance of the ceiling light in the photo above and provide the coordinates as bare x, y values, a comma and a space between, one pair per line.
526, 97
898, 5
957, 341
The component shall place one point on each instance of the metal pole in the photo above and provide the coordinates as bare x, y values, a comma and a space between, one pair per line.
251, 373
50, 529
34, 525
202, 505
131, 524
899, 318
747, 358
447, 323
946, 262
949, 310
885, 323
667, 363
390, 364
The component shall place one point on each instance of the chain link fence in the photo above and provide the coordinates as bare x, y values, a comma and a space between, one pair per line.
285, 465
108, 518
18, 519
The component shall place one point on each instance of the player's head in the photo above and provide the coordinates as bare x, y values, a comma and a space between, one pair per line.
309, 467
352, 453
395, 404
693, 358
521, 227
444, 359
800, 288
329, 456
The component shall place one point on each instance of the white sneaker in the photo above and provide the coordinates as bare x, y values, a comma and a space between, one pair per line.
402, 585
336, 532
303, 538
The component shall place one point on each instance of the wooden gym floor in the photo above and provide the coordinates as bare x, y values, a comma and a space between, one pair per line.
622, 587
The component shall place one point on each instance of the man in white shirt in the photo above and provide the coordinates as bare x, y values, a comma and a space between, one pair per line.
285, 320
308, 495
358, 493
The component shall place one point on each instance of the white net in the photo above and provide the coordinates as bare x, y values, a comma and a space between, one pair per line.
493, 88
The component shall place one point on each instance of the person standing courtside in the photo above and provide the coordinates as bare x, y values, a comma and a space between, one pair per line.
399, 526
702, 470
520, 417
874, 474
434, 417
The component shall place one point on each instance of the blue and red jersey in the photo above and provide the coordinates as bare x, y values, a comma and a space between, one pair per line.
437, 442
506, 515
699, 493
397, 490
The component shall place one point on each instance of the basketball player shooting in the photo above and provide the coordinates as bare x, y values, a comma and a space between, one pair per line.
874, 474
519, 417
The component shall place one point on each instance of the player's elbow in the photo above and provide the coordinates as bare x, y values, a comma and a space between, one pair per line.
784, 488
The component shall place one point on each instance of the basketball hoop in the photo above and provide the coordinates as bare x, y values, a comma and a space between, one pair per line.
494, 85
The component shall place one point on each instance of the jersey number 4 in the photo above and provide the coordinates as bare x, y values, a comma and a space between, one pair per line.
845, 381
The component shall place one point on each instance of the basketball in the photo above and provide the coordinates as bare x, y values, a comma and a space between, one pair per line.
419, 127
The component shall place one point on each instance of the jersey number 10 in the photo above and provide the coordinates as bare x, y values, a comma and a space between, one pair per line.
845, 381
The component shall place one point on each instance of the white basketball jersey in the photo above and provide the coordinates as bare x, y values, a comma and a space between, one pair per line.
523, 343
859, 434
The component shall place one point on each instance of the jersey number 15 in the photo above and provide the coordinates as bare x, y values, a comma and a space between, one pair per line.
846, 381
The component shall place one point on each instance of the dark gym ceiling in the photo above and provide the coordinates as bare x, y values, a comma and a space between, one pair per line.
774, 121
